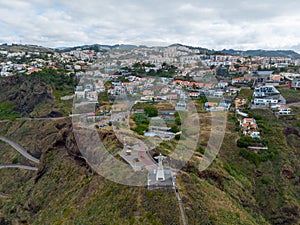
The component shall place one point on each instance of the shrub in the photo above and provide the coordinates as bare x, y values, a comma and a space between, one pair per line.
250, 156
177, 137
213, 218
244, 142
8, 111
140, 129
201, 149
177, 118
174, 129
141, 118
266, 180
15, 161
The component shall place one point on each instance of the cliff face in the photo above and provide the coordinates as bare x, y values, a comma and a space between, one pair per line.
65, 190
25, 92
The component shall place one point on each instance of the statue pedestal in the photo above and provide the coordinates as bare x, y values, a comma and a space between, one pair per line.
160, 175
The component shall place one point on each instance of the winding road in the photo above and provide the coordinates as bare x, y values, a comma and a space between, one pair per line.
23, 152
19, 167
20, 149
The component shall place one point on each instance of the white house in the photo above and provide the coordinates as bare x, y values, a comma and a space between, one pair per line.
92, 96
296, 83
263, 91
223, 84
265, 101
80, 94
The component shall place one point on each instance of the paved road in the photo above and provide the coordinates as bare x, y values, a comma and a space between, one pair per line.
181, 209
20, 149
41, 119
18, 167
36, 119
294, 104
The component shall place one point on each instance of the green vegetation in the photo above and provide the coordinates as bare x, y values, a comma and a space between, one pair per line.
146, 69
61, 83
103, 99
250, 156
175, 129
142, 119
201, 149
268, 163
177, 137
245, 93
108, 85
67, 192
8, 111
151, 110
231, 191
177, 118
245, 142
291, 95
142, 123
240, 187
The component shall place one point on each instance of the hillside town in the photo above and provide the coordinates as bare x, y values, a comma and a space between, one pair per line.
173, 74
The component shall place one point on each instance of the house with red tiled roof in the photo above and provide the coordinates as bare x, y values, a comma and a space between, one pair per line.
211, 104
33, 71
240, 103
172, 97
240, 80
277, 79
177, 82
199, 85
249, 127
148, 92
185, 83
282, 109
209, 86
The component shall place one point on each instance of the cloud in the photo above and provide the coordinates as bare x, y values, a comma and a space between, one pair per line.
214, 24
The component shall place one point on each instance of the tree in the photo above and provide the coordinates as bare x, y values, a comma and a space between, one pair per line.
244, 142
151, 111
174, 129
141, 118
177, 137
177, 118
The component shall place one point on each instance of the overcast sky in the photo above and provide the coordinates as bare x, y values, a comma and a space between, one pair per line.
217, 24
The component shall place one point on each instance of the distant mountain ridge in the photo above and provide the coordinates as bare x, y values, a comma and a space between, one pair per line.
126, 47
252, 53
99, 47
263, 53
